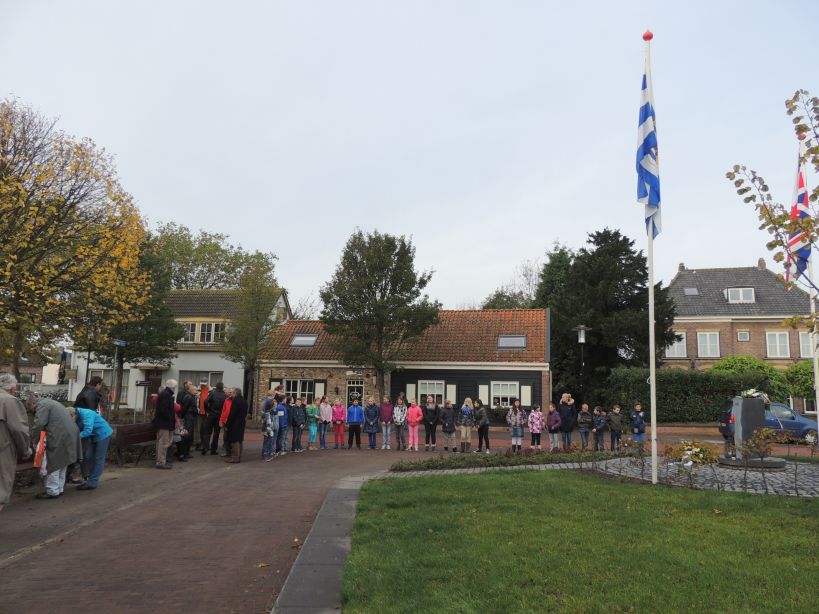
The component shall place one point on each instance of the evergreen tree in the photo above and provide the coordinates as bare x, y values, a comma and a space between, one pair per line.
606, 289
506, 298
374, 303
553, 275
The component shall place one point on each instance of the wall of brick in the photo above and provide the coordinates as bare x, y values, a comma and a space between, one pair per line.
336, 377
729, 346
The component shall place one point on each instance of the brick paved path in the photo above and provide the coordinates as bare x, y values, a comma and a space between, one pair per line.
186, 540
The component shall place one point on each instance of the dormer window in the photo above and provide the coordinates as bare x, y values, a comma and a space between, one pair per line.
691, 291
740, 295
303, 341
512, 342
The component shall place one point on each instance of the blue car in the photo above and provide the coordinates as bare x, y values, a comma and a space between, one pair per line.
782, 419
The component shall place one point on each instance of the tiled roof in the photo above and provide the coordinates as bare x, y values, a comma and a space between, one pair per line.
771, 297
459, 336
219, 303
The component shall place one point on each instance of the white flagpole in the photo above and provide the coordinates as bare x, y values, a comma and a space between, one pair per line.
813, 335
652, 359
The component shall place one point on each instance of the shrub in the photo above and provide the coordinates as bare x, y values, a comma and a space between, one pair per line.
768, 378
529, 457
800, 379
682, 396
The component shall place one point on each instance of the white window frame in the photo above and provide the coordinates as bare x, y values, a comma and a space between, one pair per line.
805, 344
300, 388
503, 390
747, 335
741, 295
777, 346
189, 336
705, 342
211, 377
673, 350
219, 330
436, 388
108, 381
206, 332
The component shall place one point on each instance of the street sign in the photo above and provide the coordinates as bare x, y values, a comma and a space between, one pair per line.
119, 343
143, 383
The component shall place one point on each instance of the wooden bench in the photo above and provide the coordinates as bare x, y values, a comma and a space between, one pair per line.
140, 436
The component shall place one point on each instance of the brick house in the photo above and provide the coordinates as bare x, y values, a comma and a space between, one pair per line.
494, 355
733, 311
204, 315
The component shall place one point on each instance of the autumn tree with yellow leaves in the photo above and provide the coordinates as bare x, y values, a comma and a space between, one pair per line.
69, 257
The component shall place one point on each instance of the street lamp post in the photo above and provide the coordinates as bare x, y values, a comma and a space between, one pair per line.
581, 339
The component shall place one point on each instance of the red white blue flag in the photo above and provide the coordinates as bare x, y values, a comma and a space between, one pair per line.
798, 243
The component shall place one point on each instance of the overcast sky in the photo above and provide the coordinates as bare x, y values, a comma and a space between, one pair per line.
485, 130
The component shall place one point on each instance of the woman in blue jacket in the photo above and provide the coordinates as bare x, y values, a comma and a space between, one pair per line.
355, 418
96, 435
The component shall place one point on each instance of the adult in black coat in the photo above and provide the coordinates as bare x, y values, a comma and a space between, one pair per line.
235, 425
89, 398
188, 411
568, 418
165, 423
213, 407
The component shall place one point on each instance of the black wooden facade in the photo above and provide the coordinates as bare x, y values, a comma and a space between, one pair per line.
467, 382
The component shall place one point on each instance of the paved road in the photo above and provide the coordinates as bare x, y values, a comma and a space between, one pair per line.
204, 537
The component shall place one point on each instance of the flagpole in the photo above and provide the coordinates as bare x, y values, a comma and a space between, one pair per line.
813, 335
652, 353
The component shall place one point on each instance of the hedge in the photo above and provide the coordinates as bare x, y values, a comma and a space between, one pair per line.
682, 396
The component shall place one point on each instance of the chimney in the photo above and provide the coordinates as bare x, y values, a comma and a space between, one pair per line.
761, 264
681, 268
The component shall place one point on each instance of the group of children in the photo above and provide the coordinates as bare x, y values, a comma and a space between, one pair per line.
285, 413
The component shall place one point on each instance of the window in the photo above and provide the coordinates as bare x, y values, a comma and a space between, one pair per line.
107, 376
189, 336
743, 335
434, 388
219, 329
197, 377
805, 346
304, 341
355, 390
740, 295
206, 332
778, 346
677, 349
28, 378
511, 341
781, 411
708, 345
300, 388
691, 292
809, 405
504, 392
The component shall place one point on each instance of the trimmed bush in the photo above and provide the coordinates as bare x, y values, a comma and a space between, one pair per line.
800, 379
682, 396
769, 378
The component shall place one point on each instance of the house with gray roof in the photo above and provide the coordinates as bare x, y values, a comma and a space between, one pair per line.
204, 315
736, 311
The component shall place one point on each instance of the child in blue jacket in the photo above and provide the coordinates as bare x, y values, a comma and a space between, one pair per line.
284, 423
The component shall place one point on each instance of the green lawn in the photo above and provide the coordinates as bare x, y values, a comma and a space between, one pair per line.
558, 541
528, 457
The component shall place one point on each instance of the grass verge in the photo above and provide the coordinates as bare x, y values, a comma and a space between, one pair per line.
573, 542
528, 457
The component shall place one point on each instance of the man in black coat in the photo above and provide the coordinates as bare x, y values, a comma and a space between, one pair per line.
165, 423
213, 407
187, 420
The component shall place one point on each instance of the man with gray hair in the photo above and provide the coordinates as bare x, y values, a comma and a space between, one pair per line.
165, 423
14, 436
63, 446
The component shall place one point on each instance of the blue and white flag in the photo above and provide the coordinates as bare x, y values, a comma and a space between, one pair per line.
648, 168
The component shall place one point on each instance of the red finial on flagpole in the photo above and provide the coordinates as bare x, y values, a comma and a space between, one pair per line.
648, 35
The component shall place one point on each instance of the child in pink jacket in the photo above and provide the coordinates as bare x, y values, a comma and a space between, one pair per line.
414, 418
339, 418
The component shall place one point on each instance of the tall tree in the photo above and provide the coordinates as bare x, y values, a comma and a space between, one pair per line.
204, 260
553, 275
254, 318
152, 334
374, 302
506, 298
605, 289
71, 233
